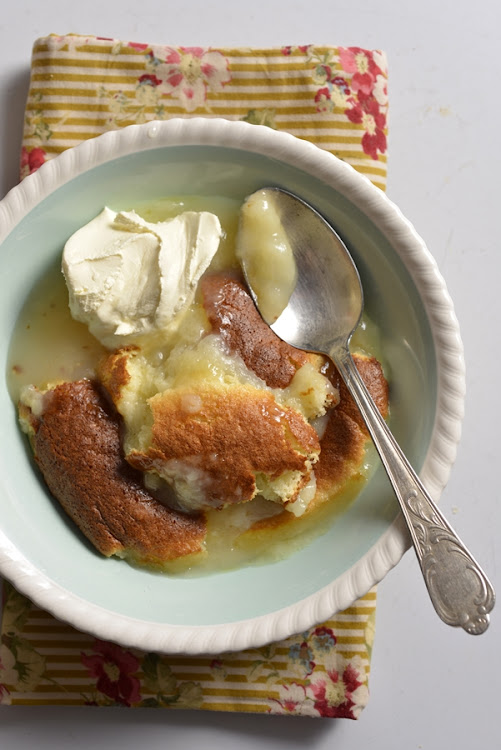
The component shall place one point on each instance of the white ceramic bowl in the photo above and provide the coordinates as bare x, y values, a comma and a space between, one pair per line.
41, 553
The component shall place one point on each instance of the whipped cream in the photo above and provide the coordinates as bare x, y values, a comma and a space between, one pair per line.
128, 278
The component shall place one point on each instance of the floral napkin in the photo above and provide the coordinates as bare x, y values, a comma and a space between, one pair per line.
335, 97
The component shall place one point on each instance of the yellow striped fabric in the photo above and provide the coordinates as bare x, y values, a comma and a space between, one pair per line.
335, 97
323, 672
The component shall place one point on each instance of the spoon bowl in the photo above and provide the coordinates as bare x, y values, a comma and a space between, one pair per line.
331, 318
322, 313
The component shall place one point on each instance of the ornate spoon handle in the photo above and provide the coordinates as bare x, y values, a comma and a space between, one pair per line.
459, 589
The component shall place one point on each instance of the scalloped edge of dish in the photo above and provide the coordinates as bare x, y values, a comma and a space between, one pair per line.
388, 550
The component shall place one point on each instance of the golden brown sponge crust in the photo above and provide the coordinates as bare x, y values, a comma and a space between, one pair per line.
232, 313
77, 446
343, 442
224, 437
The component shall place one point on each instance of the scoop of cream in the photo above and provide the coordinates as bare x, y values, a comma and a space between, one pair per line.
128, 278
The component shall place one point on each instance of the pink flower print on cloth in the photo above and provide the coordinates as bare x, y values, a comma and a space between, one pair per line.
341, 690
294, 700
114, 668
362, 65
31, 160
354, 82
368, 106
367, 113
188, 74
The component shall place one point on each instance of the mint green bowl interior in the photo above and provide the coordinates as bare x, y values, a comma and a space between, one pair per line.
32, 520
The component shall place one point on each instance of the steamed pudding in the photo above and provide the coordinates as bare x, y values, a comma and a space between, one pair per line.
230, 440
217, 419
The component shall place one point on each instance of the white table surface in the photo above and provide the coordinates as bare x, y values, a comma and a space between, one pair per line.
431, 686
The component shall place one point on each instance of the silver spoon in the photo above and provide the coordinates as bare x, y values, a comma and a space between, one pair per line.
323, 311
